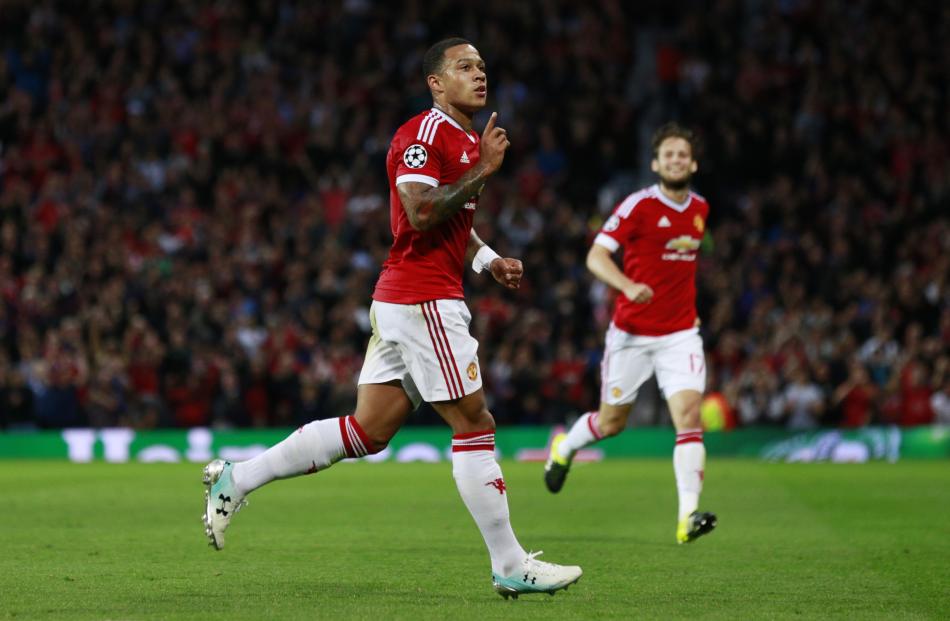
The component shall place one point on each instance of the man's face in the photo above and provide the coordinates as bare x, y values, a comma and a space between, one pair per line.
674, 163
462, 78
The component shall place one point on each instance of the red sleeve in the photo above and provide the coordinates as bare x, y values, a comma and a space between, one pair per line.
619, 228
419, 154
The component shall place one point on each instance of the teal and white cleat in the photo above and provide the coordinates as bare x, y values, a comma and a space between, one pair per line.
536, 577
222, 501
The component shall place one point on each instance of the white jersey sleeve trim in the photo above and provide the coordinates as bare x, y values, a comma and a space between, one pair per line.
426, 179
607, 242
627, 205
428, 126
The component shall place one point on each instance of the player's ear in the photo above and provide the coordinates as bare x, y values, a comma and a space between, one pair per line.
694, 167
655, 166
435, 84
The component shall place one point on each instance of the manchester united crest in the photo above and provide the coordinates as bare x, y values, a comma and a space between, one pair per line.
699, 224
472, 371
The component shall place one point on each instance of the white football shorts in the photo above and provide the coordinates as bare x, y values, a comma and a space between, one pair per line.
426, 346
629, 360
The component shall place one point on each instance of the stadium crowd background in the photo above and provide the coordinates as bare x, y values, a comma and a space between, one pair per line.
193, 201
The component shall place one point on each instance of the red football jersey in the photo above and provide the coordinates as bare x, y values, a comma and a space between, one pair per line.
660, 239
430, 148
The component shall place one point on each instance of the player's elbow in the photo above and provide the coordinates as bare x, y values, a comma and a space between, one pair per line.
594, 258
420, 223
419, 219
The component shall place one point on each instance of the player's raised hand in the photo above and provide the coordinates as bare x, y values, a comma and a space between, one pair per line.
491, 150
508, 272
638, 292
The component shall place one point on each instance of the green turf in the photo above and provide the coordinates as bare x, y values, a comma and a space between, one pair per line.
372, 541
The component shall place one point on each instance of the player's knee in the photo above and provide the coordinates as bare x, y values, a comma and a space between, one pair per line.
478, 421
689, 418
378, 442
376, 447
376, 436
611, 426
483, 421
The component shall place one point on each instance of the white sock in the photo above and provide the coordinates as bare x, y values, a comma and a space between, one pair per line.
315, 446
689, 463
482, 487
584, 433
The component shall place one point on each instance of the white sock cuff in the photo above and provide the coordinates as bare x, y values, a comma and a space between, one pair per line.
473, 455
355, 441
583, 432
688, 436
474, 441
593, 423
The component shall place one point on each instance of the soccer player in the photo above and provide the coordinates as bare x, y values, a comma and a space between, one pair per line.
655, 326
420, 347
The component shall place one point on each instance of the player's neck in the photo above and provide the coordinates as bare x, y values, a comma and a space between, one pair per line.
462, 118
678, 195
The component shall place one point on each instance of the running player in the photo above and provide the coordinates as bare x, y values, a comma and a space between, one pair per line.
655, 326
420, 347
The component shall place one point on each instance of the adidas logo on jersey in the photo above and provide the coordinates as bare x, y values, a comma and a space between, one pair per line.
464, 159
664, 223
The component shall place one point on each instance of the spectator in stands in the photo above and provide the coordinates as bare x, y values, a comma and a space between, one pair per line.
178, 185
856, 397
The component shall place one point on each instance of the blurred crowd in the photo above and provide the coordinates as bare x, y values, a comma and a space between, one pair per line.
193, 201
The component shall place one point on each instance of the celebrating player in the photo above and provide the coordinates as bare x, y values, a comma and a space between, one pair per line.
420, 347
654, 327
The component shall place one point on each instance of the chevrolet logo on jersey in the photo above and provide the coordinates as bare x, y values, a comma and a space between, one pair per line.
685, 248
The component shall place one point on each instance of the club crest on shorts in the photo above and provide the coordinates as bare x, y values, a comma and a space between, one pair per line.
615, 392
415, 156
472, 371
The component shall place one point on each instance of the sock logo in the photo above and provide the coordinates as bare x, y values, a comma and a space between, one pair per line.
498, 484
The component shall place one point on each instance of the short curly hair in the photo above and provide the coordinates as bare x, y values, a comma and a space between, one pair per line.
435, 56
673, 130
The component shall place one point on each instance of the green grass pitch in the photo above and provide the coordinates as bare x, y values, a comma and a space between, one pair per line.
393, 541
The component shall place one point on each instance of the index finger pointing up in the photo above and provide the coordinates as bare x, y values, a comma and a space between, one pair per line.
490, 124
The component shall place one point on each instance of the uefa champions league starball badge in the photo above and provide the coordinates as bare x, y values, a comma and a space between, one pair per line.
415, 156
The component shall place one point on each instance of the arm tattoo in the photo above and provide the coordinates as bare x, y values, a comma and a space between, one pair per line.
436, 205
